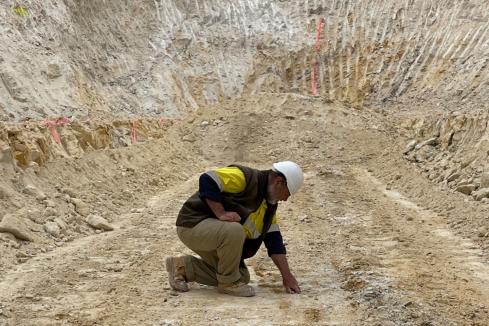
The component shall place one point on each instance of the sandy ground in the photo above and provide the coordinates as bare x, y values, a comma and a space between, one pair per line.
377, 236
370, 239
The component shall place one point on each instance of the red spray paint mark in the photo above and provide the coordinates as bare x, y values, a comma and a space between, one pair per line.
314, 75
319, 28
134, 133
52, 127
315, 65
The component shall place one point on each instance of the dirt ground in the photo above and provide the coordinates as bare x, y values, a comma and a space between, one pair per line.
110, 111
371, 240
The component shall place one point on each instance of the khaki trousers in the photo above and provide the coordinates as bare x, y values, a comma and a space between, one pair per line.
219, 244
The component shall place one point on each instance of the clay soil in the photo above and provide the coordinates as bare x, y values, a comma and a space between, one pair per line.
371, 240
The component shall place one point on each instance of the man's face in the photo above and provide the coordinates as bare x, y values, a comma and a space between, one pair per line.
277, 189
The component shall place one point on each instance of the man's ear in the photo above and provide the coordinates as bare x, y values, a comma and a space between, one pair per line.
281, 179
276, 179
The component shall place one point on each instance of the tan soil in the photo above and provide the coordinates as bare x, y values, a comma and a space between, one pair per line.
368, 237
390, 228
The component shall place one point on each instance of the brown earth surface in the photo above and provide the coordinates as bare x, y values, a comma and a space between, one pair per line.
371, 240
110, 110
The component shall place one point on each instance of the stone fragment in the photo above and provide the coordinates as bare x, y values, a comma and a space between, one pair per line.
33, 191
62, 224
446, 139
35, 215
52, 228
14, 89
443, 163
410, 146
431, 142
69, 192
6, 158
481, 193
50, 211
424, 154
49, 203
98, 222
484, 180
481, 232
453, 176
35, 227
465, 182
4, 193
466, 189
189, 138
465, 163
80, 206
15, 225
53, 71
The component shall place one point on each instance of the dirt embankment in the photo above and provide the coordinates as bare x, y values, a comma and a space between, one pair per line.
164, 58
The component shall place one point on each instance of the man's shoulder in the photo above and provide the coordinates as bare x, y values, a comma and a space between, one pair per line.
249, 172
244, 168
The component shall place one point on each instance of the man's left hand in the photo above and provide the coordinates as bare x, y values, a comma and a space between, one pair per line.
290, 284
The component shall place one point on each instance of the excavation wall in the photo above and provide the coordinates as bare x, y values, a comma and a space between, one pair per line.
163, 58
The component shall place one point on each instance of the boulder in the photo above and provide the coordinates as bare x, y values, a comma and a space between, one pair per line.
80, 206
466, 189
52, 228
98, 222
33, 191
410, 146
16, 225
481, 193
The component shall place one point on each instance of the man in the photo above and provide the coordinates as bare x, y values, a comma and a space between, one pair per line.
226, 221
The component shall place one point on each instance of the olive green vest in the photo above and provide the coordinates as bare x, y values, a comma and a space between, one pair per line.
195, 209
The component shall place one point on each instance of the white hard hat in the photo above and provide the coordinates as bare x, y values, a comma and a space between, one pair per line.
293, 174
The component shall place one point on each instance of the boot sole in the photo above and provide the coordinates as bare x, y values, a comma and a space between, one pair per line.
170, 268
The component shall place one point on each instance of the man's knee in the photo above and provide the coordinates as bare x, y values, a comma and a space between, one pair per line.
233, 231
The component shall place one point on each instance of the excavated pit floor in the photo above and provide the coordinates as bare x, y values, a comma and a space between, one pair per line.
366, 243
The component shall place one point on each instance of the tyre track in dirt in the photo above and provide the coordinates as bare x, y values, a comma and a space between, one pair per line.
424, 271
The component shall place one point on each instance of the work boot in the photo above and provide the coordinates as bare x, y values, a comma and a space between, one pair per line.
176, 274
238, 289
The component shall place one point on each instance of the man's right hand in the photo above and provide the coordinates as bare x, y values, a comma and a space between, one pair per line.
230, 217
221, 214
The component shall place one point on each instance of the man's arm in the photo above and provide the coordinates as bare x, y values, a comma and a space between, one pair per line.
221, 213
210, 191
289, 281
